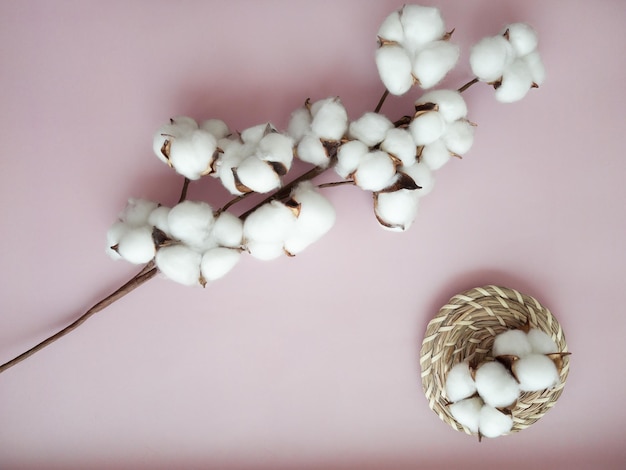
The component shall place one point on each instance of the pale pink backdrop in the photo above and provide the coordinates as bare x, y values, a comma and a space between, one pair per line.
310, 362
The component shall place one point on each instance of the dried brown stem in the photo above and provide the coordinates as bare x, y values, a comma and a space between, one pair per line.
467, 85
183, 192
335, 183
381, 101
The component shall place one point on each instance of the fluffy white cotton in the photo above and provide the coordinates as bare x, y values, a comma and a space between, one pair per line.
450, 104
391, 29
299, 123
511, 343
427, 128
396, 210
228, 230
399, 143
137, 212
349, 156
192, 155
136, 245
459, 137
158, 218
493, 423
330, 119
271, 222
375, 172
535, 372
541, 342
180, 264
394, 67
252, 135
370, 128
535, 67
178, 127
217, 262
516, 81
459, 382
496, 386
114, 235
467, 412
276, 147
522, 37
490, 56
423, 177
265, 251
191, 222
435, 155
228, 161
434, 61
216, 127
421, 25
311, 150
258, 175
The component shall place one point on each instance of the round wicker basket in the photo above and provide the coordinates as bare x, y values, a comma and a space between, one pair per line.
464, 329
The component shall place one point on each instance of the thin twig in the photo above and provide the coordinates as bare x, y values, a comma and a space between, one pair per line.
381, 101
232, 202
467, 85
183, 193
335, 183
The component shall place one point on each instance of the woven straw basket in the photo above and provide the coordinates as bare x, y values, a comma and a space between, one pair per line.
464, 329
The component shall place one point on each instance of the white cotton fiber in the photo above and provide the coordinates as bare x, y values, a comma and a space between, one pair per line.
459, 137
258, 175
265, 251
178, 127
252, 135
396, 210
136, 245
423, 177
427, 128
276, 147
496, 386
399, 143
192, 155
158, 218
541, 342
311, 150
228, 161
316, 218
375, 172
450, 103
217, 262
191, 222
493, 423
394, 67
511, 343
216, 127
137, 212
535, 67
459, 382
522, 37
228, 230
421, 25
330, 119
516, 81
467, 412
299, 123
180, 264
271, 222
349, 156
434, 61
435, 155
490, 56
370, 128
391, 28
114, 235
535, 372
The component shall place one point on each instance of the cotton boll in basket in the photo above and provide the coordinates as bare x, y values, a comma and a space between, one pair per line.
535, 372
496, 386
459, 382
467, 412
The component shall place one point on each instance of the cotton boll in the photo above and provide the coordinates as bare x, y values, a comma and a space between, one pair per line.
330, 119
522, 37
191, 222
136, 245
192, 155
459, 137
180, 264
394, 67
299, 123
450, 104
217, 262
423, 177
535, 67
254, 134
311, 150
495, 385
535, 372
459, 382
493, 423
229, 160
399, 143
427, 128
158, 218
216, 127
370, 128
516, 81
349, 156
490, 56
258, 175
434, 61
511, 343
396, 210
541, 342
435, 155
375, 172
178, 127
421, 25
271, 222
277, 148
137, 212
114, 235
265, 251
467, 412
391, 28
228, 230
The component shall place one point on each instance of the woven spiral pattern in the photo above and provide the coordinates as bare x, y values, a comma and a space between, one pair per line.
464, 329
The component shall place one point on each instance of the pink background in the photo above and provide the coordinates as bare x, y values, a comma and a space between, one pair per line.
310, 362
